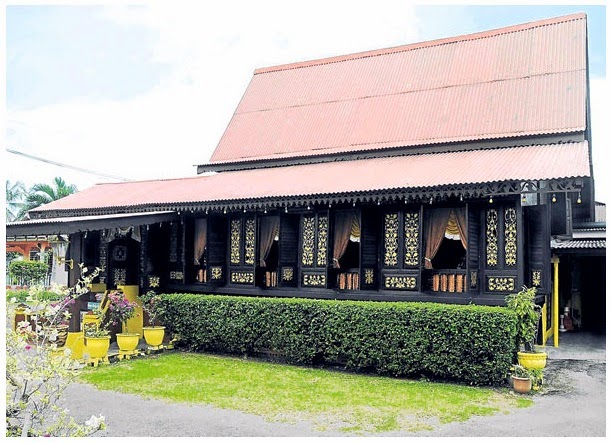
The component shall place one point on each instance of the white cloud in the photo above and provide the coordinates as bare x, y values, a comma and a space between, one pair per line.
212, 51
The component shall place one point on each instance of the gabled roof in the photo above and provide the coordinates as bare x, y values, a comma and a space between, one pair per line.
354, 177
523, 80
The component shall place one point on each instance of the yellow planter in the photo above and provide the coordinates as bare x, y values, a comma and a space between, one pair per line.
532, 360
154, 335
127, 341
97, 347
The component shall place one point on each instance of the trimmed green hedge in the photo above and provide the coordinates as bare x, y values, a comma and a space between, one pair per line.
469, 344
28, 272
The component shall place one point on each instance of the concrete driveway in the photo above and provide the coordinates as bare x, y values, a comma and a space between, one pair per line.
572, 403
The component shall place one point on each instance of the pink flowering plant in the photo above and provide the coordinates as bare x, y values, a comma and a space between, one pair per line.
120, 309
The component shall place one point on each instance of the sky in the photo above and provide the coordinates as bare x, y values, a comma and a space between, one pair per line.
146, 92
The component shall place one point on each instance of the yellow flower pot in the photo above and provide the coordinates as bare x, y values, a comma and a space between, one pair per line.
97, 347
127, 341
154, 335
532, 360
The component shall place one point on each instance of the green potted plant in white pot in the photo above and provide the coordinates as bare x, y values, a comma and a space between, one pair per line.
152, 334
528, 314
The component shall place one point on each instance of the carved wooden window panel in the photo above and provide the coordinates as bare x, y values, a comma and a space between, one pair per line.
401, 239
242, 241
501, 237
314, 240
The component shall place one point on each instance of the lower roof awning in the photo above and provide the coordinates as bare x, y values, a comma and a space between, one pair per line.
72, 225
418, 175
579, 246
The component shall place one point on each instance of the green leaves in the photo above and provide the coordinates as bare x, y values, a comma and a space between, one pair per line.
470, 344
28, 272
528, 315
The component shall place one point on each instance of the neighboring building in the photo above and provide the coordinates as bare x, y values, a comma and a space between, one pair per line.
436, 171
582, 272
35, 248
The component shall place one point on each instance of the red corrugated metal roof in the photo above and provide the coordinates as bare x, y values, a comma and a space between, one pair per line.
522, 80
538, 162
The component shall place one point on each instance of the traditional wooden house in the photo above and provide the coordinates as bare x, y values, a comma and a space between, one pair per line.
436, 171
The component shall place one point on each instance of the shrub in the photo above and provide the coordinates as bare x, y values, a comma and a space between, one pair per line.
21, 295
469, 344
28, 272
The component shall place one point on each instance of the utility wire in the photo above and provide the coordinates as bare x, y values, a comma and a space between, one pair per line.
63, 165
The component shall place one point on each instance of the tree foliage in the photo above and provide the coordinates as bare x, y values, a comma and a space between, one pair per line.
15, 194
43, 193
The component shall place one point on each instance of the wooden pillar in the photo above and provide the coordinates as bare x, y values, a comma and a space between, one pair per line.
555, 300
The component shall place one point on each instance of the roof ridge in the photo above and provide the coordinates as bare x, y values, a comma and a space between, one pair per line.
413, 91
199, 176
426, 44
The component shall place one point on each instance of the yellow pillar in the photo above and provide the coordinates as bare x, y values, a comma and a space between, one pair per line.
544, 324
131, 294
555, 300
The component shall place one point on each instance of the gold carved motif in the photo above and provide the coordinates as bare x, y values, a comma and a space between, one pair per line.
391, 239
249, 248
236, 233
216, 273
511, 237
536, 278
492, 248
153, 281
323, 232
412, 226
369, 276
243, 278
314, 280
287, 274
176, 275
501, 284
400, 282
307, 256
473, 279
119, 276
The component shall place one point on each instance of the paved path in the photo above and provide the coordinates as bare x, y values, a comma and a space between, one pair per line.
572, 403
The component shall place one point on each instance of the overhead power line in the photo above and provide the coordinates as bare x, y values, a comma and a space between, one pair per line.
63, 165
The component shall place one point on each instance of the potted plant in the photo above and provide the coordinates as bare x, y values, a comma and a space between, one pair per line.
97, 340
150, 304
120, 310
521, 379
529, 315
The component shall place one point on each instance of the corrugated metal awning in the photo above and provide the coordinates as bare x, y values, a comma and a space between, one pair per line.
584, 244
71, 225
354, 177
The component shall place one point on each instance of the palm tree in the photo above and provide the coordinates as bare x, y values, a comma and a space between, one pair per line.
43, 193
15, 193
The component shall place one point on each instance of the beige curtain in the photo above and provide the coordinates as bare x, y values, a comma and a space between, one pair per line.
461, 221
346, 223
435, 231
201, 230
269, 228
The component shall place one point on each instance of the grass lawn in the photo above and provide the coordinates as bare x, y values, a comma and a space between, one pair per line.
353, 403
